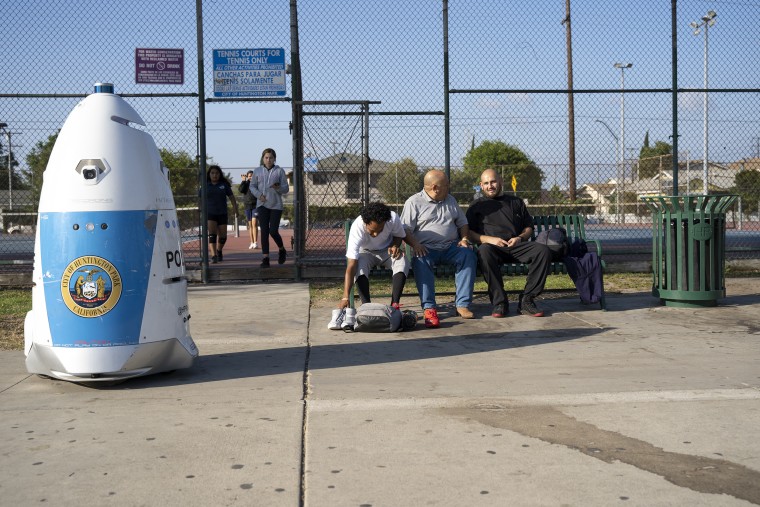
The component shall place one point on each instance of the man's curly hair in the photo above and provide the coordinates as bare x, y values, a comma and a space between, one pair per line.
375, 212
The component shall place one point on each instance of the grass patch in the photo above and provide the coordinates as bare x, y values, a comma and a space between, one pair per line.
14, 303
332, 291
742, 273
329, 291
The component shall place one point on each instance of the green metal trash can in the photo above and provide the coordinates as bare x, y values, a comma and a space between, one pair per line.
689, 248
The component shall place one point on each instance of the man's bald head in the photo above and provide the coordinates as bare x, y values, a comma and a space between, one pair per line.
435, 177
436, 184
491, 183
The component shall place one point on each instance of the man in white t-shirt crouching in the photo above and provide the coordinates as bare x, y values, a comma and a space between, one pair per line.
374, 240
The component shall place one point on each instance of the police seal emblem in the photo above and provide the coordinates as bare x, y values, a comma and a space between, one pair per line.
90, 286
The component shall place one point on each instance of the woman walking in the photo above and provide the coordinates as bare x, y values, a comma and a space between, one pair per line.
218, 189
268, 186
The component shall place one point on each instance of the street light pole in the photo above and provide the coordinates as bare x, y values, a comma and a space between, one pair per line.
617, 183
622, 67
708, 20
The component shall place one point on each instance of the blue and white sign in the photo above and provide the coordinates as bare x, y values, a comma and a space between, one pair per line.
249, 72
310, 164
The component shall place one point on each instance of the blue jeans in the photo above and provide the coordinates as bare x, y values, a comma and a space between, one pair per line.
464, 259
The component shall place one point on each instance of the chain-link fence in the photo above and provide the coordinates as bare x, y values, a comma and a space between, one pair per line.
391, 89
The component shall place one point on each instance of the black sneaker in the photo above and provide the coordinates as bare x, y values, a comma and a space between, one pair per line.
214, 259
499, 311
219, 255
527, 306
264, 262
281, 256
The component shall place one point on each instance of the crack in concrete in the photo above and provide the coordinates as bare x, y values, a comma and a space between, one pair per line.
698, 473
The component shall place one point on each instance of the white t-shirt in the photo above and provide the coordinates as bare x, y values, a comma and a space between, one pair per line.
359, 238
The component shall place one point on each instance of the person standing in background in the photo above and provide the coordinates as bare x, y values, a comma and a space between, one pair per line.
249, 202
217, 191
268, 186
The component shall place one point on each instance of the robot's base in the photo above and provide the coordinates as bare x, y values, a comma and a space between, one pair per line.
109, 364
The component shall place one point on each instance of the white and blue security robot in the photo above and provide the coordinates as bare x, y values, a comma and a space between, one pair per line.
109, 300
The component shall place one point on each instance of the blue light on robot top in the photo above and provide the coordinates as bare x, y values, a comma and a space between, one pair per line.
104, 88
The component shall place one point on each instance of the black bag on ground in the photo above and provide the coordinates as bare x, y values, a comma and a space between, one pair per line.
556, 239
408, 320
377, 318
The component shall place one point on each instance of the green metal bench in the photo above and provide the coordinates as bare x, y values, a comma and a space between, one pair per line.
573, 224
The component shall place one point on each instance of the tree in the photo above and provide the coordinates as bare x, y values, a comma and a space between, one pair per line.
747, 185
654, 158
556, 196
401, 180
36, 162
558, 201
183, 176
464, 186
508, 161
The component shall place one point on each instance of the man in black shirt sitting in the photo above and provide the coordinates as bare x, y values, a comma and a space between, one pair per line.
502, 226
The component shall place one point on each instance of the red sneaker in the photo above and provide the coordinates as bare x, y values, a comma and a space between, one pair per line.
396, 306
499, 311
431, 318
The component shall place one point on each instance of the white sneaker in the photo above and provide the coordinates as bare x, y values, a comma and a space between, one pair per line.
255, 245
337, 319
349, 320
251, 246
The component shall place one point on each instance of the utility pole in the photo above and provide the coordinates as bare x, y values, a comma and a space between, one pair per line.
570, 103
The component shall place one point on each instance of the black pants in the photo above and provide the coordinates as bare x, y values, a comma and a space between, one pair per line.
269, 222
537, 256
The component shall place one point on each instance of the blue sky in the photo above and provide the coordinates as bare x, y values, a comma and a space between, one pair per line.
391, 52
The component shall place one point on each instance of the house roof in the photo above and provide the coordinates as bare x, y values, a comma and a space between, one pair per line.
601, 188
748, 164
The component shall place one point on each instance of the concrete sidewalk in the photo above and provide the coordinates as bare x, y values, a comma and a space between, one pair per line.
639, 405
